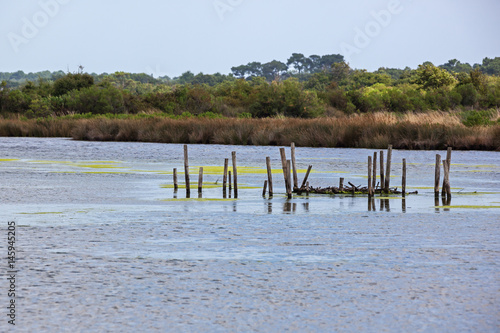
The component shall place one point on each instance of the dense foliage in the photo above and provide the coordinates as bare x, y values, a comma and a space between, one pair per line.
302, 87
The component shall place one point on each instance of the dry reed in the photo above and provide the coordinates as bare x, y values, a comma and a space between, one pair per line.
375, 130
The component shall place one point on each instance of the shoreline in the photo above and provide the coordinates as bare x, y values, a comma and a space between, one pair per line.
425, 131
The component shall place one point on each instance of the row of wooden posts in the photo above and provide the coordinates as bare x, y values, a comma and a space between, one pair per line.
290, 173
225, 181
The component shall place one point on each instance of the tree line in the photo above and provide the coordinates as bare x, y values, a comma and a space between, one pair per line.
302, 87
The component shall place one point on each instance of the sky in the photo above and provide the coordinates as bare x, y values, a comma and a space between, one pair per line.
166, 37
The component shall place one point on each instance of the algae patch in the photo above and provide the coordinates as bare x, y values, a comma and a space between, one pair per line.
199, 199
468, 207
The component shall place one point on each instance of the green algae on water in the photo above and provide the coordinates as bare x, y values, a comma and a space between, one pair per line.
468, 207
199, 199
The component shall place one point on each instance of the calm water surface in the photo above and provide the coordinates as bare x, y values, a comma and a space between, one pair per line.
105, 245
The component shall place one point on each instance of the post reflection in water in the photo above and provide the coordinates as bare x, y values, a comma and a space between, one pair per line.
289, 207
371, 204
445, 203
386, 204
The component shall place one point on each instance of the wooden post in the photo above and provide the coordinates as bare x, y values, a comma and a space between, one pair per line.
269, 176
235, 175
374, 179
186, 171
382, 178
388, 169
224, 177
294, 167
341, 185
448, 160
446, 182
283, 165
265, 189
176, 185
229, 180
369, 176
437, 175
200, 180
306, 176
289, 180
403, 184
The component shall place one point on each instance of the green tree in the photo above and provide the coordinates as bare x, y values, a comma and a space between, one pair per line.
455, 66
339, 72
491, 66
240, 71
71, 82
432, 77
327, 61
274, 70
299, 62
254, 69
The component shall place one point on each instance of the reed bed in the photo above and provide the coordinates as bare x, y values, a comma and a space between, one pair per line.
375, 130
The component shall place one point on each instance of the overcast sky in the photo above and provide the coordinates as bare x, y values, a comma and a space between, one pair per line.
166, 37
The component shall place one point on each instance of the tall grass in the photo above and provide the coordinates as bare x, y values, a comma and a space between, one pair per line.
375, 130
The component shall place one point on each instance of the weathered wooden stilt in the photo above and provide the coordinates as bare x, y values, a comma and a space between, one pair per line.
229, 183
224, 177
388, 169
235, 175
374, 179
294, 167
370, 176
289, 180
403, 180
382, 178
437, 175
446, 183
176, 185
269, 176
341, 185
264, 189
186, 171
444, 190
283, 165
200, 180
306, 176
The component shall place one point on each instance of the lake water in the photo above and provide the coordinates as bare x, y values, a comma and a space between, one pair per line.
104, 244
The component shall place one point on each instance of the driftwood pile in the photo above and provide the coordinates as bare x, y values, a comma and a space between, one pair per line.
352, 189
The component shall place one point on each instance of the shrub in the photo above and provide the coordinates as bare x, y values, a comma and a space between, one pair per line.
71, 82
468, 94
477, 118
97, 100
